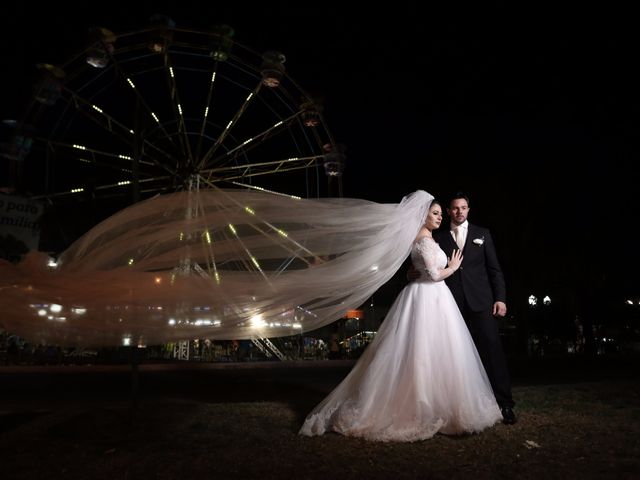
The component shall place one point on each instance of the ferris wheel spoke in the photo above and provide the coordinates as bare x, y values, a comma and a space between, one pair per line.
99, 116
281, 237
126, 134
177, 109
208, 106
146, 186
229, 126
252, 142
256, 169
126, 78
164, 153
92, 156
145, 183
92, 151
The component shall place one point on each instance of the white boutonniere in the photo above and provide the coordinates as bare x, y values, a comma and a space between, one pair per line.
478, 241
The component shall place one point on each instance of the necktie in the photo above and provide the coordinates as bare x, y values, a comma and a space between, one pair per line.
459, 238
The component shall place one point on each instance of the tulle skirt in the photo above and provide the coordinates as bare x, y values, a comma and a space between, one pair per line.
421, 375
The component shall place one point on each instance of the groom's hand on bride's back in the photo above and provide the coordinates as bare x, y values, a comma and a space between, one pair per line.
412, 274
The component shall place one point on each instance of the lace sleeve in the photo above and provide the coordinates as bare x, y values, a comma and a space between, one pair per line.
429, 250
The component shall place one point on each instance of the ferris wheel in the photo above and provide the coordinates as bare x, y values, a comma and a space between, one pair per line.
162, 109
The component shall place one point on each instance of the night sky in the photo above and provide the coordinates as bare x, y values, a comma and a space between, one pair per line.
533, 112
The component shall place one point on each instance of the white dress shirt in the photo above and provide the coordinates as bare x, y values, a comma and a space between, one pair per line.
464, 230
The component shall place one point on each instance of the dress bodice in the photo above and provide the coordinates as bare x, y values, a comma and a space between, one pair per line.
428, 258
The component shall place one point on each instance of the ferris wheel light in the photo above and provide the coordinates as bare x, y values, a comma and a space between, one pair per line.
130, 82
79, 147
97, 109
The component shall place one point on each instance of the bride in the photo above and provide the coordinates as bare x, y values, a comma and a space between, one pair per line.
422, 373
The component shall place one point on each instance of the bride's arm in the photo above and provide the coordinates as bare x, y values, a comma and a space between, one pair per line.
439, 274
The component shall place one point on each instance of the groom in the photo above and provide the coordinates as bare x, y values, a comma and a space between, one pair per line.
479, 290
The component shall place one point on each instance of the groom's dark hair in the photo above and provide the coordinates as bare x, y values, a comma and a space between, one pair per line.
458, 195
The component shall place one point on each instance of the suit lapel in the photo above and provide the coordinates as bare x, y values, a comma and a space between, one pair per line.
471, 234
449, 242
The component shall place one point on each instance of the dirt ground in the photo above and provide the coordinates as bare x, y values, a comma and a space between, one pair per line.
576, 420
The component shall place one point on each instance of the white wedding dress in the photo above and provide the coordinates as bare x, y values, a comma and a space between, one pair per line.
422, 373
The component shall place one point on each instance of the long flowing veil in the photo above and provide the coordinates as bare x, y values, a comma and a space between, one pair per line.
219, 264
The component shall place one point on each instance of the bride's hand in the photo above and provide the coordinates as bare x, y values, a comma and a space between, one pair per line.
456, 259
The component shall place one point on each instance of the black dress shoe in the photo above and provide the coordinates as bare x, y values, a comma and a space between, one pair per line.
508, 417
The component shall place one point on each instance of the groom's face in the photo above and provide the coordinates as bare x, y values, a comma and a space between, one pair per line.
458, 211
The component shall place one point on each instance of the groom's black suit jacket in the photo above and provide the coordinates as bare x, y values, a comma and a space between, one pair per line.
479, 281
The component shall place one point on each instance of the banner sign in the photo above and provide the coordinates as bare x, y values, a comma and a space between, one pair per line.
19, 217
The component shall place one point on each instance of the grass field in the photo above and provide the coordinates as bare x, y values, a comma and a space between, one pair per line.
242, 424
